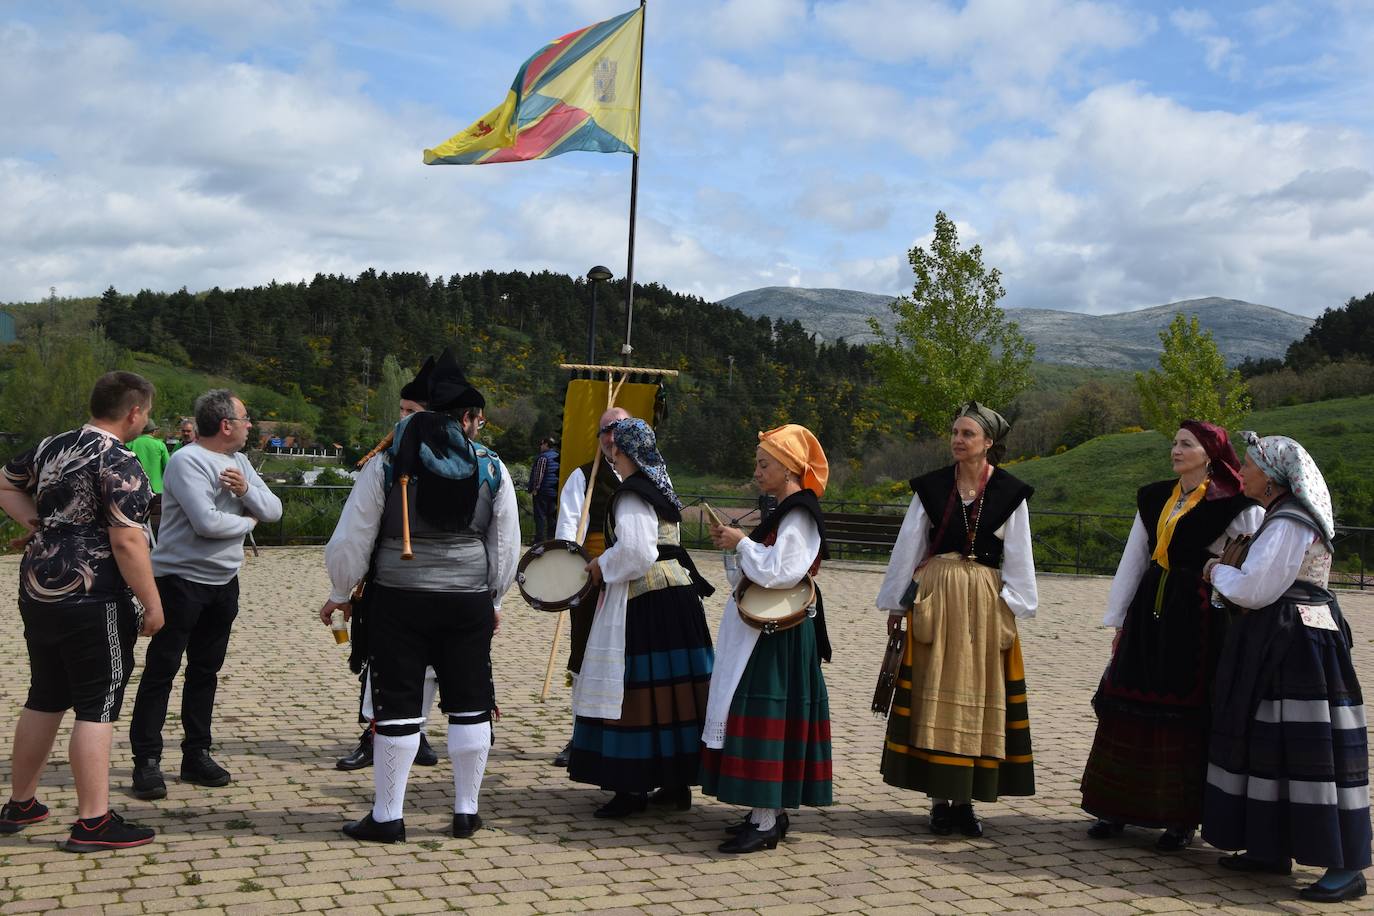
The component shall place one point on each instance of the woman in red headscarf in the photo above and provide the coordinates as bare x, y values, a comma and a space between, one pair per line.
1148, 763
767, 730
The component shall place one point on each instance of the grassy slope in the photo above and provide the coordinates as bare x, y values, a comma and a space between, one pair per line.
1102, 475
178, 387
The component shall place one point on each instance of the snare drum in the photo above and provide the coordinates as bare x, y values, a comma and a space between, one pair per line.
553, 577
773, 610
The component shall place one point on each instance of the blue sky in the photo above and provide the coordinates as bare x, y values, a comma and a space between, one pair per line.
1107, 156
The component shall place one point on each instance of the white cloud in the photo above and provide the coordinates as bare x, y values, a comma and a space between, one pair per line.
1219, 51
1135, 200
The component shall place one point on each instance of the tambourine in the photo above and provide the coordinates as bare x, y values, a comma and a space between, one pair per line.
553, 576
773, 610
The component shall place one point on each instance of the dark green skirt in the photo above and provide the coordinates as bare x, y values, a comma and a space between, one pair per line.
777, 737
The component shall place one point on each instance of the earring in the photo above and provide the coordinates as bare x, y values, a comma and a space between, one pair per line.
1269, 489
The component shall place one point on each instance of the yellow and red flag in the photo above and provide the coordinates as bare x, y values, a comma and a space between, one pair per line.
580, 92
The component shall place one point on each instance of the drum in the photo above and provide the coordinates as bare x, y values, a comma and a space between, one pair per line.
553, 577
773, 610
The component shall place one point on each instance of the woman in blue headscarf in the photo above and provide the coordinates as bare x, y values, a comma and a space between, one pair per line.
640, 699
1288, 759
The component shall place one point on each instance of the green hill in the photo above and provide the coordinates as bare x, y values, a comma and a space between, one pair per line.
1102, 475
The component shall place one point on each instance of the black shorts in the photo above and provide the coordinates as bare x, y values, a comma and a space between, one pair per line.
80, 656
408, 630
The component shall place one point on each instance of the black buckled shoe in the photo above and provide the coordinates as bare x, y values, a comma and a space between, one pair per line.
622, 805
941, 820
752, 839
465, 825
1105, 829
784, 824
1175, 839
679, 797
361, 755
148, 781
1350, 890
373, 831
967, 821
200, 769
424, 754
15, 816
564, 756
1243, 862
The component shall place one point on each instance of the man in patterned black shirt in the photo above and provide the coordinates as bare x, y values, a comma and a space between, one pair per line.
84, 498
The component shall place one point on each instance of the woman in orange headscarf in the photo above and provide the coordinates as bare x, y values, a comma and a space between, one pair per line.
767, 731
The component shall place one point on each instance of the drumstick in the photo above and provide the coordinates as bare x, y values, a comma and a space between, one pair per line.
715, 516
406, 553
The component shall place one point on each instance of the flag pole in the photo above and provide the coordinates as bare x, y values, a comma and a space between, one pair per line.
627, 350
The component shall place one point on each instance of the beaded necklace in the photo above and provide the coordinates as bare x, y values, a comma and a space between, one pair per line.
978, 513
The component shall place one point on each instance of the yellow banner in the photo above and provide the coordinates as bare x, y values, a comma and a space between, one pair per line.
583, 406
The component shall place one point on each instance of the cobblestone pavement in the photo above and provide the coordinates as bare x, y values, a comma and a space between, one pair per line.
270, 841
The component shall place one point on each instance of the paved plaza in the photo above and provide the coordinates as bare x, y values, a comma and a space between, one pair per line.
270, 842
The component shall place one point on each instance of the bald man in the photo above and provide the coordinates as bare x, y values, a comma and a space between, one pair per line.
570, 502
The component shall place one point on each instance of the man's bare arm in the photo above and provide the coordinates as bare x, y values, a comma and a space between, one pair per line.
130, 547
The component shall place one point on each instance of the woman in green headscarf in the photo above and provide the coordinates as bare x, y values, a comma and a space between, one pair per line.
960, 575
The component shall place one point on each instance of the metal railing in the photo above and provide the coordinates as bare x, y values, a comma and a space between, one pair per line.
1076, 543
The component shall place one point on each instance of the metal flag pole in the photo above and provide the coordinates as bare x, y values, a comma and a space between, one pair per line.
627, 350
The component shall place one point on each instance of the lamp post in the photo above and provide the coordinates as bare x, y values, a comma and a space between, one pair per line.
597, 275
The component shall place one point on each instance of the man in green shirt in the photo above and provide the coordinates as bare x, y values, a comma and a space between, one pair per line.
152, 454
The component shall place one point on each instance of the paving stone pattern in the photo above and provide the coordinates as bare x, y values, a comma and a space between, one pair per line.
270, 842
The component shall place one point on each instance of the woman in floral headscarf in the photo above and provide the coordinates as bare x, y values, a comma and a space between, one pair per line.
1149, 757
768, 718
641, 696
1288, 762
960, 576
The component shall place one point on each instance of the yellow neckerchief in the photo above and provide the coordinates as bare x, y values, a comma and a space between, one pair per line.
1168, 518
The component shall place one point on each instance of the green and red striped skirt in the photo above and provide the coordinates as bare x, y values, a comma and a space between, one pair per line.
776, 752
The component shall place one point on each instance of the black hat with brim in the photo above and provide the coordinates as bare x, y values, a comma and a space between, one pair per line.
449, 388
417, 389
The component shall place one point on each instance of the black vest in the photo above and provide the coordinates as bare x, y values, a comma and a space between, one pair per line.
1194, 532
802, 501
606, 482
1000, 499
663, 507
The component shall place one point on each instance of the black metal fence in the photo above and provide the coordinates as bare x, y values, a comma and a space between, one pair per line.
1078, 543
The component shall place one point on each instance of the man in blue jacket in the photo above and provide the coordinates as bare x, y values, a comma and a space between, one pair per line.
544, 486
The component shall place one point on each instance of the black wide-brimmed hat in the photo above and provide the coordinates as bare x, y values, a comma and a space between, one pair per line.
417, 389
449, 388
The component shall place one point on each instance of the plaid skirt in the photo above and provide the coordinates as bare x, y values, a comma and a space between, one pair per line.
657, 739
956, 777
777, 738
1288, 762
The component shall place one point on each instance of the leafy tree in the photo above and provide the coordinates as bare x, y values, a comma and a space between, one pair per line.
951, 342
49, 388
1192, 382
1343, 333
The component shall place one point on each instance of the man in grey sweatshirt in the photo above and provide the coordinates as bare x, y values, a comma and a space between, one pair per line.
212, 498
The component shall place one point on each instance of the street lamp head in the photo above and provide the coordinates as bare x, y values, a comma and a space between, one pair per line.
599, 273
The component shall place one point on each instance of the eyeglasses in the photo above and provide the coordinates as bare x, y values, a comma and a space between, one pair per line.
608, 428
239, 419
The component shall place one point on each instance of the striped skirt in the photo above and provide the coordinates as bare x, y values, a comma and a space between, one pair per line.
777, 737
1288, 763
657, 739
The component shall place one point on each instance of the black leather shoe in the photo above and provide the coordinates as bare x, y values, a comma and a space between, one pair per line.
967, 822
424, 755
1350, 890
941, 820
465, 825
679, 797
371, 831
1105, 829
623, 805
1174, 840
564, 756
752, 839
200, 769
784, 824
148, 781
361, 756
1249, 864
